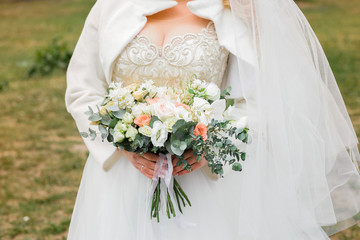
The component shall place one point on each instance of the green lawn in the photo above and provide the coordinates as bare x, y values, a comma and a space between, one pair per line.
41, 153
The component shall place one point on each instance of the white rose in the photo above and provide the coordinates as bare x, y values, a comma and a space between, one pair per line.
131, 133
241, 123
120, 127
128, 118
212, 92
145, 130
118, 137
169, 123
159, 134
163, 110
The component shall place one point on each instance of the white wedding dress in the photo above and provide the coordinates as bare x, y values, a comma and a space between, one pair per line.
112, 205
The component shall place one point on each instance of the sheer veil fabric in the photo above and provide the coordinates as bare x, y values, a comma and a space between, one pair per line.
302, 170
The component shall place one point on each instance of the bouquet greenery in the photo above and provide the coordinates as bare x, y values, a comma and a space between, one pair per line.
168, 120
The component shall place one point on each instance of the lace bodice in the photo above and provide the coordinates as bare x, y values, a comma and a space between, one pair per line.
192, 53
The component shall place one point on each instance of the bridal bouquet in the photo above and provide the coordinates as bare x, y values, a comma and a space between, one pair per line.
168, 120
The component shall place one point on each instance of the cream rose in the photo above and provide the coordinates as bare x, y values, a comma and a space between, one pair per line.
128, 118
120, 127
118, 137
145, 130
131, 133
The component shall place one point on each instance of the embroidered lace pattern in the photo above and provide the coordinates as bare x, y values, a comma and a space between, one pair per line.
175, 62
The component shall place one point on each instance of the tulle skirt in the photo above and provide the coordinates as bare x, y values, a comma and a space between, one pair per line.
113, 205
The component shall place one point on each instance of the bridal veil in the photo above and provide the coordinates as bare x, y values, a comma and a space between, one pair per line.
301, 172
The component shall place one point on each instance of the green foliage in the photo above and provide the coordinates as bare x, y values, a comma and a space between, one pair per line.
218, 149
4, 85
54, 56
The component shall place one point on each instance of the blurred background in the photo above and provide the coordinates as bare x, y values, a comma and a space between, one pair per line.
41, 152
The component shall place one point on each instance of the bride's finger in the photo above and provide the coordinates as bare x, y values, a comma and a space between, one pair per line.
150, 156
147, 163
188, 154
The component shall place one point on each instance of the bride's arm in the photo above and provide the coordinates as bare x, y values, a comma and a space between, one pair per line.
86, 86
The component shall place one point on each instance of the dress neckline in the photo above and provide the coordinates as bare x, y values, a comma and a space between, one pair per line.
177, 38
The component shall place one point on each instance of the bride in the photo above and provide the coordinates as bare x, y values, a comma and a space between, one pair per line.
301, 178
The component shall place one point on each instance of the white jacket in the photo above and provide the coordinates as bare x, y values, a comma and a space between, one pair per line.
109, 27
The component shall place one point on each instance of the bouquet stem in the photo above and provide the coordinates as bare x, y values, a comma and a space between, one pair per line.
170, 207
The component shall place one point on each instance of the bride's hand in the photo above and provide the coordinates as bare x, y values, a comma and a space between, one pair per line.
145, 164
191, 159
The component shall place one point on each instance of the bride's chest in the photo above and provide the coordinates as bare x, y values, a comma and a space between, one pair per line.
176, 61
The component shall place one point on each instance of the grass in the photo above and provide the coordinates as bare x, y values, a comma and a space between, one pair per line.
41, 153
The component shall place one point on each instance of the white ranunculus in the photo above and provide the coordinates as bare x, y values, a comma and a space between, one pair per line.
241, 123
128, 118
118, 137
163, 110
145, 130
212, 92
182, 113
131, 133
159, 134
120, 127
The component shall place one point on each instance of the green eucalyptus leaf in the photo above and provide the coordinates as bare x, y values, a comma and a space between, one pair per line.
168, 147
178, 124
119, 114
243, 155
176, 151
113, 108
102, 129
84, 134
113, 123
110, 137
236, 167
95, 117
92, 134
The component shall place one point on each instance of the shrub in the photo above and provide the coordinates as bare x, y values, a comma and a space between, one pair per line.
54, 56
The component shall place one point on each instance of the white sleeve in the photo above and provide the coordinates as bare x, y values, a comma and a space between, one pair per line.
87, 86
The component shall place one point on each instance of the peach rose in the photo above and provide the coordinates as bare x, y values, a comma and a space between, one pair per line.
152, 100
201, 129
177, 104
142, 120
